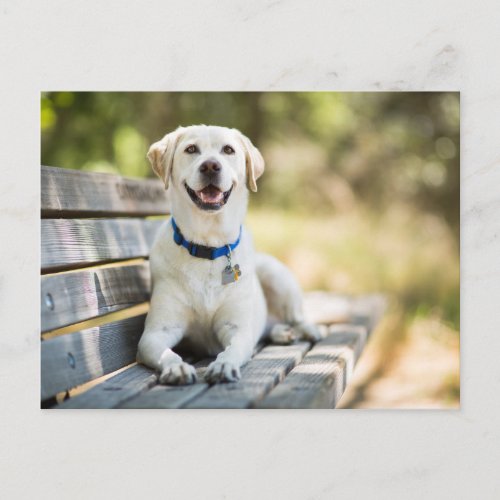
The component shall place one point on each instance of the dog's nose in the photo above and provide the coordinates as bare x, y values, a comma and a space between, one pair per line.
210, 166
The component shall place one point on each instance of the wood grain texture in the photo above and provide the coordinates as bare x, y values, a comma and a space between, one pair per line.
316, 382
68, 298
163, 396
264, 371
73, 193
75, 358
76, 243
114, 391
320, 379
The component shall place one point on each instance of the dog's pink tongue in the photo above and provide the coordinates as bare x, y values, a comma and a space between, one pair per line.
211, 194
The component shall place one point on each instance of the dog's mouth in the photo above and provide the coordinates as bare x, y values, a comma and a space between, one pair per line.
210, 197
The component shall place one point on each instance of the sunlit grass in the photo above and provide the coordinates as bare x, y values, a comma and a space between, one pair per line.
402, 253
410, 257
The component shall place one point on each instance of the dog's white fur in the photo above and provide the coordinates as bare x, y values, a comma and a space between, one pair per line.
189, 302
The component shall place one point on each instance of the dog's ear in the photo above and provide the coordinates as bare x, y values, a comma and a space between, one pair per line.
161, 154
254, 162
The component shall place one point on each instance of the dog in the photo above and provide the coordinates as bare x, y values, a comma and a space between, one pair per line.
210, 289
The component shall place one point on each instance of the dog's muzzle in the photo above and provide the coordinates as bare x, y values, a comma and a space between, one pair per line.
210, 197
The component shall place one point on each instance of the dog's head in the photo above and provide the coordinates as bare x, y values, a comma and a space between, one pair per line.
207, 164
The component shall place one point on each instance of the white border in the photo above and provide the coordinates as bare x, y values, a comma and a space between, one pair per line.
259, 45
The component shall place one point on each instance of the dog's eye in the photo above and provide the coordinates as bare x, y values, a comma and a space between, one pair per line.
191, 149
228, 150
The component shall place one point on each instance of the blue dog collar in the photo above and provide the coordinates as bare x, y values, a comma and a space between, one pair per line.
201, 251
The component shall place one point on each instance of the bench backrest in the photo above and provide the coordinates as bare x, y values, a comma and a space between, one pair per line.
96, 239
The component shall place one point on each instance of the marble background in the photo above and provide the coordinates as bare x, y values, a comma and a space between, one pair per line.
258, 45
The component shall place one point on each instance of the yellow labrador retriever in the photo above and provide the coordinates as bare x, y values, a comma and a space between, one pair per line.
210, 289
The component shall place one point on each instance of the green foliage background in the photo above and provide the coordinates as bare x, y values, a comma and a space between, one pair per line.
360, 193
387, 146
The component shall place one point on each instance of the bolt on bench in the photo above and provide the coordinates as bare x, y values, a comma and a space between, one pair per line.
96, 233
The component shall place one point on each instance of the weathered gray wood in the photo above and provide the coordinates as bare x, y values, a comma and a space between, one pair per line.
115, 390
73, 193
75, 358
320, 379
258, 377
68, 298
350, 340
317, 382
76, 243
163, 396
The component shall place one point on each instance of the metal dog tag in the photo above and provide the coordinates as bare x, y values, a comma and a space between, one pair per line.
230, 274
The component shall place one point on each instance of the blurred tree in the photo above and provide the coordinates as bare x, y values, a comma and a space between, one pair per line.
330, 149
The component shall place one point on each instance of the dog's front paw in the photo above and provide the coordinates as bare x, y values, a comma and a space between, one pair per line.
178, 374
222, 371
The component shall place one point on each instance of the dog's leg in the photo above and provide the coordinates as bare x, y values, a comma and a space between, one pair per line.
238, 342
155, 351
164, 330
284, 302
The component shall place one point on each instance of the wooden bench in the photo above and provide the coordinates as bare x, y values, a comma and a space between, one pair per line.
96, 233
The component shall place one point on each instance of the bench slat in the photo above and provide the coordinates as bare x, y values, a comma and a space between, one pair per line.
114, 391
76, 243
73, 193
258, 377
163, 396
69, 298
320, 379
76, 358
316, 382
